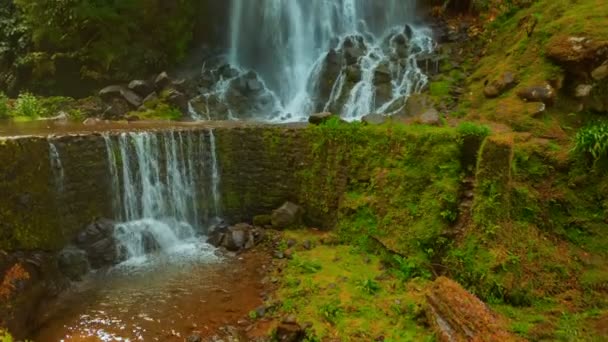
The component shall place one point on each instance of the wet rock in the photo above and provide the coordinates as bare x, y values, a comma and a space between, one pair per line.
162, 81
73, 263
320, 118
545, 94
97, 240
290, 332
260, 311
92, 122
288, 215
141, 87
235, 238
456, 315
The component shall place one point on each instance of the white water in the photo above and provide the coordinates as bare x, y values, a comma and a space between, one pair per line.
160, 190
56, 167
285, 41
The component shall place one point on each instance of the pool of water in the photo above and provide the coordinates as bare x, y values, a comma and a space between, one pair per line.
164, 297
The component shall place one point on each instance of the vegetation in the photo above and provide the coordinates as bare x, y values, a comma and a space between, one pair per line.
593, 141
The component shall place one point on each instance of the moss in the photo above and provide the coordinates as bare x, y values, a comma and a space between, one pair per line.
343, 292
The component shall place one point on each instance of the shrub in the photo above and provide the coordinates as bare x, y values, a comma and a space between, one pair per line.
27, 105
592, 141
4, 109
473, 129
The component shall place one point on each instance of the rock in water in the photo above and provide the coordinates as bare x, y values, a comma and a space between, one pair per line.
288, 215
457, 315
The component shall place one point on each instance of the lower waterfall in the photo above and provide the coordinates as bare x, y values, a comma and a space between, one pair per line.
165, 189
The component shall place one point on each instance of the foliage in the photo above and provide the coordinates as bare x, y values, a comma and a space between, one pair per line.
28, 105
107, 38
4, 107
369, 286
5, 336
592, 141
472, 129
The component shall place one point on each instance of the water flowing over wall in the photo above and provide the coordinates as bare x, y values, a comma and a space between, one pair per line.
289, 43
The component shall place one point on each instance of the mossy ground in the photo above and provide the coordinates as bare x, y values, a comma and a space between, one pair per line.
346, 293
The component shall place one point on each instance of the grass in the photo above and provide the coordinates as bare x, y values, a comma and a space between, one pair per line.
351, 296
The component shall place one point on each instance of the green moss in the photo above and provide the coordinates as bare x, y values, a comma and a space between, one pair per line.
343, 292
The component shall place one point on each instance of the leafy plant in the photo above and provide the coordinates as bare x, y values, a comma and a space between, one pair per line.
473, 129
306, 266
27, 105
592, 141
331, 311
369, 286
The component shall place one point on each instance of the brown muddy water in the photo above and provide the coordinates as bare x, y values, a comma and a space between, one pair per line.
160, 298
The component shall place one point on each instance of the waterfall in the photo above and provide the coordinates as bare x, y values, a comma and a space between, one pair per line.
56, 167
160, 183
215, 176
287, 43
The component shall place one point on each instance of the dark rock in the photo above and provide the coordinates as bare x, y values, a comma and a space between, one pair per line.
162, 81
97, 240
374, 119
110, 93
415, 106
235, 238
291, 243
288, 215
307, 244
288, 254
260, 311
73, 263
545, 94
320, 118
178, 100
117, 109
141, 88
583, 90
290, 332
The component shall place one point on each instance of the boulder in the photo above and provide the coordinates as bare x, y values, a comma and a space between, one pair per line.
235, 238
178, 100
288, 215
141, 87
73, 263
416, 105
600, 73
162, 81
501, 84
110, 93
430, 117
98, 242
150, 100
320, 118
541, 93
456, 315
374, 119
290, 332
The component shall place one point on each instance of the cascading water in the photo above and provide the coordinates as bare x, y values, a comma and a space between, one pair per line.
353, 57
56, 167
160, 183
